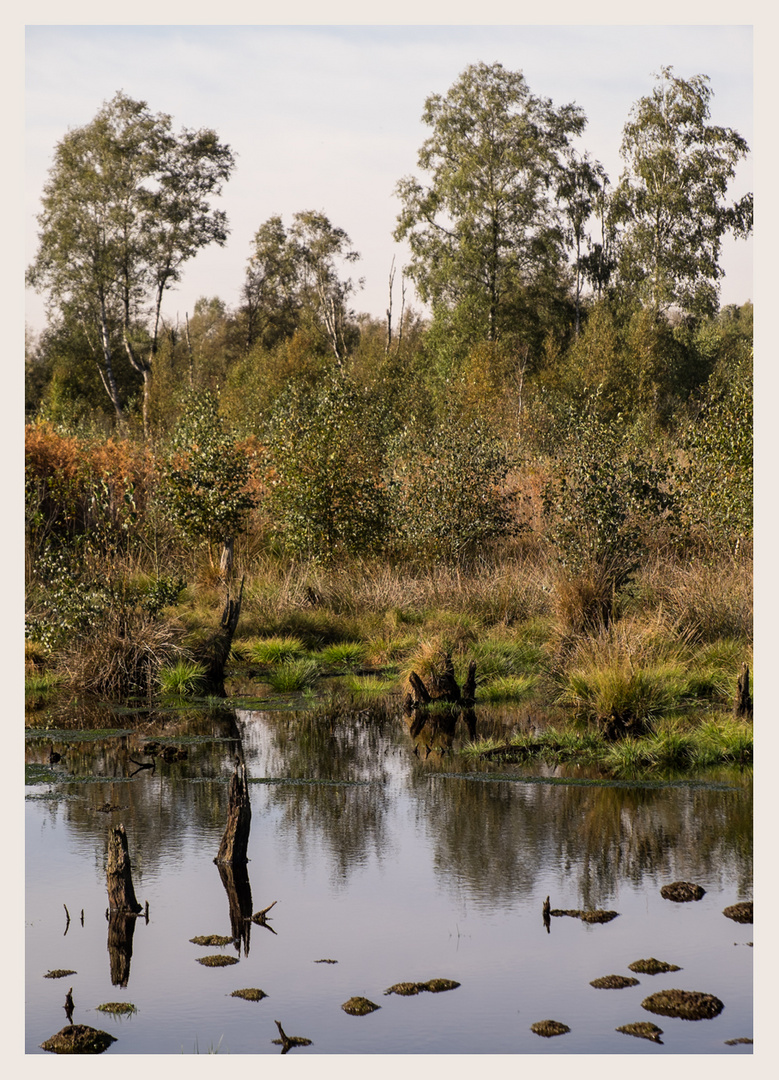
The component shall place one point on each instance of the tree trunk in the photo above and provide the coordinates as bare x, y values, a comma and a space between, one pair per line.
213, 653
235, 841
226, 559
121, 894
743, 706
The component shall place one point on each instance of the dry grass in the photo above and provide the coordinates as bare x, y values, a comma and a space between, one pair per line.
705, 601
123, 654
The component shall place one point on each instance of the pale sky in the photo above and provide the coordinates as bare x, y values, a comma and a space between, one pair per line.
328, 117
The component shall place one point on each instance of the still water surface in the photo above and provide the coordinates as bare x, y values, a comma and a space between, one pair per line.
391, 856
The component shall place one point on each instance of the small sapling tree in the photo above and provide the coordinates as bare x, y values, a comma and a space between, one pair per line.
205, 485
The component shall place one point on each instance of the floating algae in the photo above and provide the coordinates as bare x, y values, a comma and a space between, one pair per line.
549, 1028
251, 993
216, 961
613, 982
643, 1030
741, 913
681, 892
359, 1006
117, 1007
59, 973
686, 1004
652, 967
78, 1039
211, 939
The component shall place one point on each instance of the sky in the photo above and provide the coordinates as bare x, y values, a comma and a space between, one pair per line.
328, 118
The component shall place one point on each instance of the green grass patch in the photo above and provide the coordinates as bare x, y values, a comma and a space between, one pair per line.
343, 655
293, 675
182, 679
507, 688
369, 684
274, 650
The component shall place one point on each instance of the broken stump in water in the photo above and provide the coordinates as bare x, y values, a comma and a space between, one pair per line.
121, 894
235, 842
213, 652
743, 706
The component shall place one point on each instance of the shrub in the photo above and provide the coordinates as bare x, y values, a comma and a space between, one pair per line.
328, 491
451, 491
606, 494
204, 488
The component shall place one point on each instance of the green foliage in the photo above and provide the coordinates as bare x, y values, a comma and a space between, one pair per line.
126, 205
451, 493
204, 486
716, 485
607, 490
326, 454
487, 224
671, 198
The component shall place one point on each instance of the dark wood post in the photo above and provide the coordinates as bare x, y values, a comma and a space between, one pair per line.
743, 706
121, 894
235, 841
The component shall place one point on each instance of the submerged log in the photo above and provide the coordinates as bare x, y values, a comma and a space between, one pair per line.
235, 842
743, 706
121, 894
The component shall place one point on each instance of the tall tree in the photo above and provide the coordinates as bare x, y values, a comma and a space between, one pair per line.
672, 198
295, 276
487, 222
579, 189
127, 203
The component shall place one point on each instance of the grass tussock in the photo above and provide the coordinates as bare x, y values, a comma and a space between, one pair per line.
122, 654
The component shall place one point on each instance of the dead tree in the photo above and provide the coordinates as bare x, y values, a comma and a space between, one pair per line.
743, 706
214, 652
235, 842
121, 894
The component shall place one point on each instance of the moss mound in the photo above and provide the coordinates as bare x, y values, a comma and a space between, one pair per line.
681, 892
613, 982
59, 973
686, 1004
434, 986
78, 1039
741, 913
251, 993
596, 916
359, 1006
117, 1007
652, 966
211, 939
216, 961
549, 1028
644, 1029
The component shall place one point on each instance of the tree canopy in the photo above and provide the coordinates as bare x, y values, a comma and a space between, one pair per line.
672, 200
487, 223
127, 203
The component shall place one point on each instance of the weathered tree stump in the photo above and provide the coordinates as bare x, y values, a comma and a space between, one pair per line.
235, 842
743, 705
235, 878
121, 894
214, 652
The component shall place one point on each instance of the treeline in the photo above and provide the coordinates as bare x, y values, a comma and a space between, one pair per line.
576, 384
